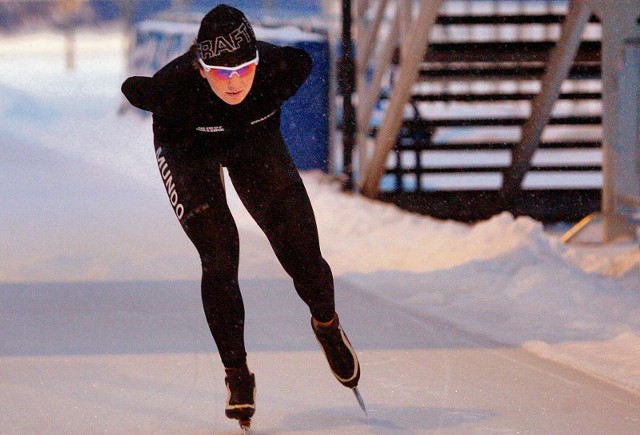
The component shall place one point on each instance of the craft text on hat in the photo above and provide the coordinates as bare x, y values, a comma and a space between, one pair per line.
225, 38
209, 49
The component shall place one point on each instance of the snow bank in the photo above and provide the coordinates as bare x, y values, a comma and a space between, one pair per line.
505, 278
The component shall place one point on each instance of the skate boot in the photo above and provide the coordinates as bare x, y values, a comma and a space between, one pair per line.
342, 359
241, 395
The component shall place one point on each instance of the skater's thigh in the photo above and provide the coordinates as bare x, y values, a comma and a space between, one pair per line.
196, 193
268, 179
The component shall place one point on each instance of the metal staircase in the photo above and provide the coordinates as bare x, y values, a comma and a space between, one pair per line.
504, 101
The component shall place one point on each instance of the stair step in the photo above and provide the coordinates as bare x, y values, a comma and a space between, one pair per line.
470, 20
497, 146
516, 72
502, 51
486, 122
490, 169
492, 97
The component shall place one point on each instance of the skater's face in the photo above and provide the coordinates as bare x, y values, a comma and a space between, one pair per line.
231, 85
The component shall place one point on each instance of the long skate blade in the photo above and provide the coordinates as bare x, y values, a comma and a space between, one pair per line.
356, 392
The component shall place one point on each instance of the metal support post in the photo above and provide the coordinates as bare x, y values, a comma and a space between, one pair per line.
414, 46
368, 93
620, 116
557, 70
346, 83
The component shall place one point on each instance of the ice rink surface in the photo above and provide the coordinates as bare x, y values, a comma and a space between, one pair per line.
137, 358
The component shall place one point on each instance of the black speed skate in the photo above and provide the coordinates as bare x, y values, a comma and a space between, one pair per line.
241, 395
342, 359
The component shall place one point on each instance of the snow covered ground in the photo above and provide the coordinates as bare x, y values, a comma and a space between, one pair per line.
82, 203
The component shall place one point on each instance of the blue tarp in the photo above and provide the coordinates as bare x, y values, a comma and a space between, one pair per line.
107, 10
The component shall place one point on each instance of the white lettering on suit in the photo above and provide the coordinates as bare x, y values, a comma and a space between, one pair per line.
165, 172
220, 129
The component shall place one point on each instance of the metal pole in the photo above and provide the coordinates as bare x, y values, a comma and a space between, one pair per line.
557, 70
620, 121
368, 94
414, 46
127, 19
346, 83
69, 10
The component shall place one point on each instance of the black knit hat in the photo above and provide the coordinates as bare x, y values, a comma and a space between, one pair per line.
225, 38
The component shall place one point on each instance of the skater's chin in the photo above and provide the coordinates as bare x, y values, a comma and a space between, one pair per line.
234, 98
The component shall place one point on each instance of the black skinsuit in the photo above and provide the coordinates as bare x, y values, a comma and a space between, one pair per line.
194, 133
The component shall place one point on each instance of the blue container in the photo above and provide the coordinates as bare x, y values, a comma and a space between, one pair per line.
305, 116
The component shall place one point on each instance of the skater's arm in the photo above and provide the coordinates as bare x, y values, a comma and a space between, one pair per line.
147, 93
141, 92
287, 68
169, 93
296, 68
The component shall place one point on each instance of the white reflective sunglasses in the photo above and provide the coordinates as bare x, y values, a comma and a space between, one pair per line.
225, 72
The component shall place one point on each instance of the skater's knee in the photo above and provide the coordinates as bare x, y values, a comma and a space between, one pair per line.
219, 265
196, 211
214, 235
